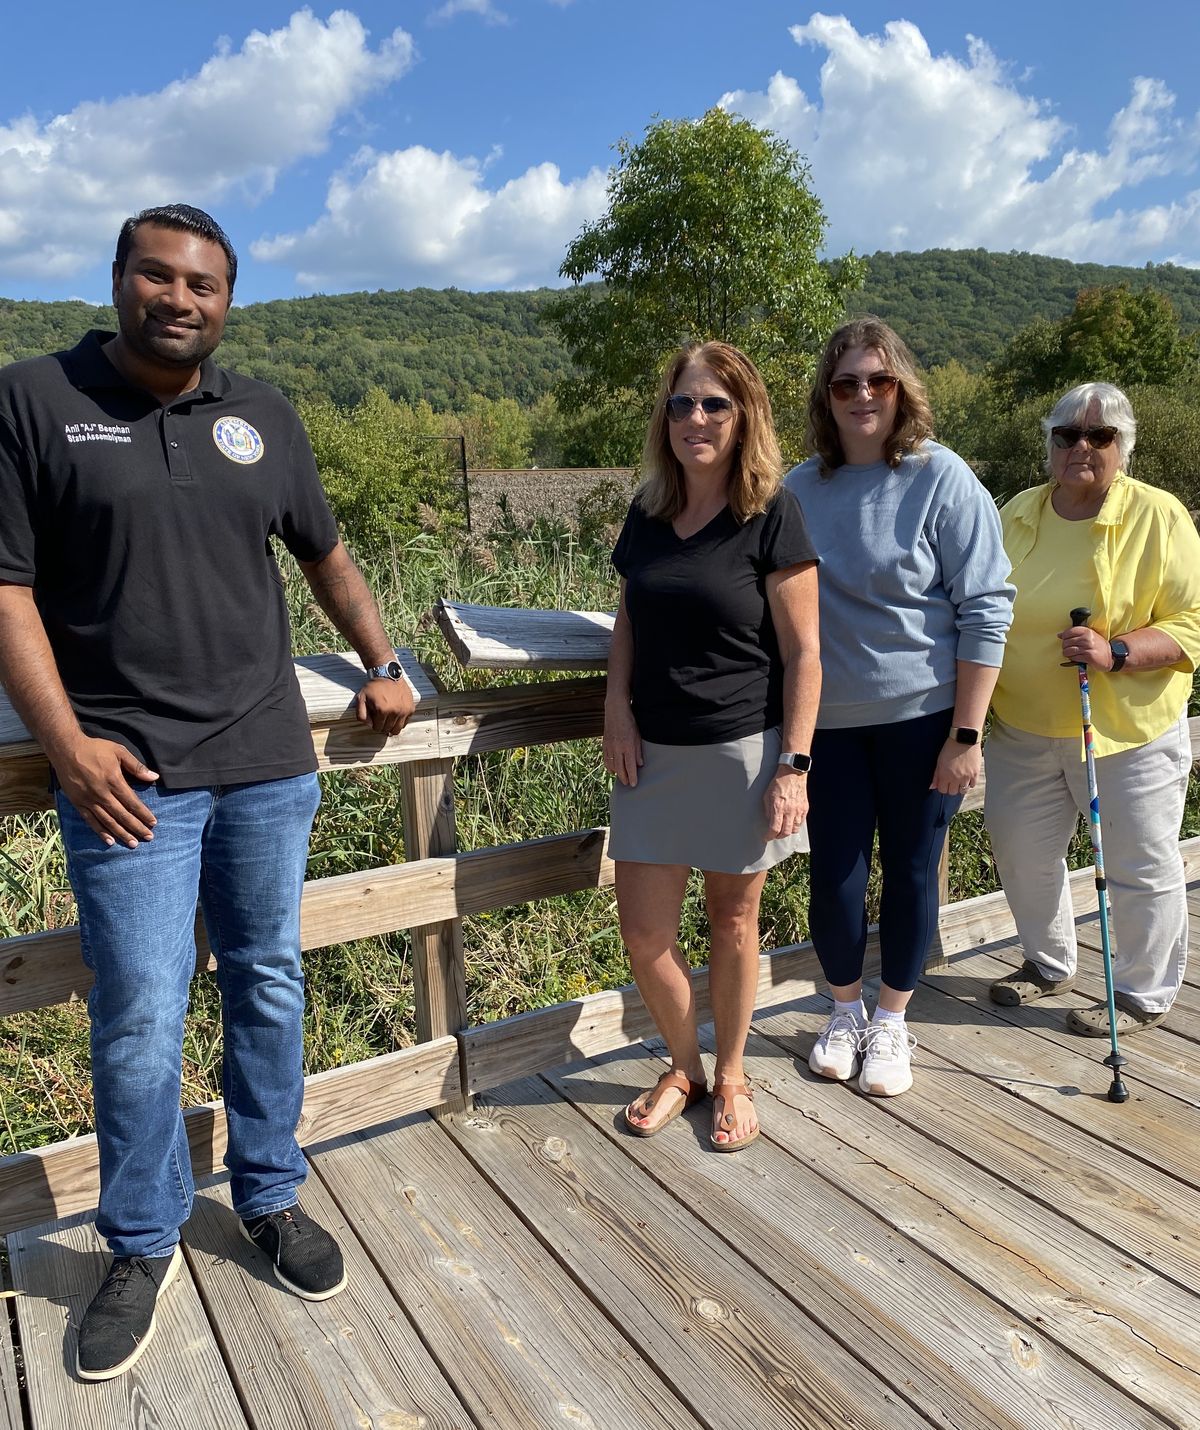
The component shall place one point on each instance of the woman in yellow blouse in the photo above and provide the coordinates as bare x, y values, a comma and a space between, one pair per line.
1093, 537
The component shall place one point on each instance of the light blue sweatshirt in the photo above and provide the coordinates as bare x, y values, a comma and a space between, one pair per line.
912, 579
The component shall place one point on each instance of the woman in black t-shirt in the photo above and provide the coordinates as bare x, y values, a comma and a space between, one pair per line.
713, 682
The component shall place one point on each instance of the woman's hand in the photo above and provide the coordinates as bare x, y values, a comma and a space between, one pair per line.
785, 803
622, 743
1083, 646
957, 768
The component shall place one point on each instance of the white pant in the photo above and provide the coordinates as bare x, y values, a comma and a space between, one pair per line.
1036, 789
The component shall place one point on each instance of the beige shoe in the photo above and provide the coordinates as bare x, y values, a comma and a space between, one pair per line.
1093, 1022
1026, 985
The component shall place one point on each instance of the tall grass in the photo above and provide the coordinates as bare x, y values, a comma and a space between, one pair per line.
360, 995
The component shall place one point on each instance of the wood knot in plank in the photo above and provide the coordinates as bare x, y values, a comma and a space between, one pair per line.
576, 1415
553, 1149
710, 1310
1024, 1352
401, 1420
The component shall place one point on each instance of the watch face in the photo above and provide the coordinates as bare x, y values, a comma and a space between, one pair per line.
394, 671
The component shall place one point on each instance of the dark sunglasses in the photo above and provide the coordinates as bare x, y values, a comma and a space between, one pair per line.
716, 409
879, 384
1064, 438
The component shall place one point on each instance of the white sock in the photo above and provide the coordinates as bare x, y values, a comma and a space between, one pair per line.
885, 1015
856, 1010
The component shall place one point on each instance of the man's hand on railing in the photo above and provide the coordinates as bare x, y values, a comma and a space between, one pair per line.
385, 705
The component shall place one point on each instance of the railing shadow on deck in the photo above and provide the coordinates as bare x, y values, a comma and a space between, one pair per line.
429, 895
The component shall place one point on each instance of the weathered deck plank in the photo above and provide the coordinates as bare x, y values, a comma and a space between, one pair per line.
743, 1353
1140, 1211
904, 1311
1131, 1327
1070, 1082
11, 1415
1167, 1061
303, 1365
180, 1383
511, 1333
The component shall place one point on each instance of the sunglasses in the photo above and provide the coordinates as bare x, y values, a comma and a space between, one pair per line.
879, 384
716, 409
1064, 438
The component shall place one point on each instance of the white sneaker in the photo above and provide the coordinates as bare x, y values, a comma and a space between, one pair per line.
835, 1053
886, 1059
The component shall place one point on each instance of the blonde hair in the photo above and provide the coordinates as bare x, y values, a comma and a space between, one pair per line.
914, 418
757, 463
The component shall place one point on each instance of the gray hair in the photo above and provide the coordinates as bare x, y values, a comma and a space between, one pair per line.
1115, 411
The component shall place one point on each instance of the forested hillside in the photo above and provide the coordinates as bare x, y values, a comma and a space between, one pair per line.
446, 345
967, 303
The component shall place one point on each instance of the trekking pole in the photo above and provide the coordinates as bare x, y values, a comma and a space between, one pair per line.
1118, 1092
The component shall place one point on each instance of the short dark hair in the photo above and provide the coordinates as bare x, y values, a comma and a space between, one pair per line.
184, 218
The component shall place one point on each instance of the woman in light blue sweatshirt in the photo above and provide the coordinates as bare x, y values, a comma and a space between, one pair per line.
914, 606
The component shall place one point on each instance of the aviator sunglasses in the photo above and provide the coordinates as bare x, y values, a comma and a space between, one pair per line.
716, 409
1064, 438
879, 384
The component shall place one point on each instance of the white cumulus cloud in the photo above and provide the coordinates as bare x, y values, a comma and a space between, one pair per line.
915, 150
415, 217
66, 185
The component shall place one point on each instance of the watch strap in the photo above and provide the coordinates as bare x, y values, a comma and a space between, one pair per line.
797, 761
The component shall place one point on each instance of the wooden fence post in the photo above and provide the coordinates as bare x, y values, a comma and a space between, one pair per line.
439, 978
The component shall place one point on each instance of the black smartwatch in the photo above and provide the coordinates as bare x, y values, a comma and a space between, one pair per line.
1120, 654
964, 735
800, 763
390, 671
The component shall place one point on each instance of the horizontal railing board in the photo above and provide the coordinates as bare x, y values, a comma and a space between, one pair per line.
497, 1053
463, 723
39, 969
509, 638
64, 1178
510, 716
329, 684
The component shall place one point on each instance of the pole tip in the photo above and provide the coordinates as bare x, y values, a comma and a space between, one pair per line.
1118, 1092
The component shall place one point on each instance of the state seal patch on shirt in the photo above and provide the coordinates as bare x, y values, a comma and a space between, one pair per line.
237, 440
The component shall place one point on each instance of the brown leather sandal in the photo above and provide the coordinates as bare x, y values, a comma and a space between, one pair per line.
727, 1091
693, 1092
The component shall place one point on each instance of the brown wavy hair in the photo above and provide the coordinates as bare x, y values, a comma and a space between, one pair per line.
914, 418
757, 463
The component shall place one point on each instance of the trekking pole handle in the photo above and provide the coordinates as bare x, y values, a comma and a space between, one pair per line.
1079, 617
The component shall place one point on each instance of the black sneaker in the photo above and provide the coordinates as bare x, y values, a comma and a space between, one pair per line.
119, 1324
304, 1257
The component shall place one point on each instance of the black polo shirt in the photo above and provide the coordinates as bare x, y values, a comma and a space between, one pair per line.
706, 661
145, 532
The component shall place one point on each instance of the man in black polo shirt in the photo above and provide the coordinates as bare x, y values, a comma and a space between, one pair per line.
144, 641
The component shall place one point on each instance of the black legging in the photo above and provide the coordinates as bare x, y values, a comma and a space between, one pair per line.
868, 777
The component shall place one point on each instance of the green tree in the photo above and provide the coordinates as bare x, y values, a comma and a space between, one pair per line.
380, 463
1113, 334
712, 231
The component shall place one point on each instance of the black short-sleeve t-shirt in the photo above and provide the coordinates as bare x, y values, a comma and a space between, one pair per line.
145, 532
706, 662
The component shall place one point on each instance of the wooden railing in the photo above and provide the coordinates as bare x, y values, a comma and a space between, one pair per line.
429, 895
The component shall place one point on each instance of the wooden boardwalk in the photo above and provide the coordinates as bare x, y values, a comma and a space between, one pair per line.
1000, 1247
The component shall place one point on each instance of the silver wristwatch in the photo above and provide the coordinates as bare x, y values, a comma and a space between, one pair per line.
390, 671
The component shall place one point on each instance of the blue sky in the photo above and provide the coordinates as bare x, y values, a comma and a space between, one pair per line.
465, 142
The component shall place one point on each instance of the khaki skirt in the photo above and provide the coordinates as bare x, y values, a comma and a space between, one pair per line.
701, 805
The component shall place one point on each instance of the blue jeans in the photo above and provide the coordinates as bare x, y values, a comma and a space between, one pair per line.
866, 778
242, 849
